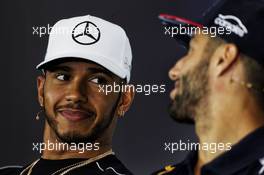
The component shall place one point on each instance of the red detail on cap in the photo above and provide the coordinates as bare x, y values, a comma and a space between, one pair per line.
180, 19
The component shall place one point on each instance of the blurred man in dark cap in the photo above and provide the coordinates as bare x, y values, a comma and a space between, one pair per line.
219, 86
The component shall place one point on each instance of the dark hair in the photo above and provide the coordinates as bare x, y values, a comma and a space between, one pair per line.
254, 74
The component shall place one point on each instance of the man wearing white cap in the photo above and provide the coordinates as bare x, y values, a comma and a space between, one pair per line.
84, 54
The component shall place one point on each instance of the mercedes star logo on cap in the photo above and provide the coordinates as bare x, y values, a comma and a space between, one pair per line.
86, 33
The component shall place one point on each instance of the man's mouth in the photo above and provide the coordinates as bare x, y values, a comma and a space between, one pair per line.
75, 114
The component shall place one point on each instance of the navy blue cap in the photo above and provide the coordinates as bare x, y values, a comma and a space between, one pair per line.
243, 18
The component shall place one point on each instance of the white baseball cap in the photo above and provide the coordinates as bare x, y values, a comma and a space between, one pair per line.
90, 38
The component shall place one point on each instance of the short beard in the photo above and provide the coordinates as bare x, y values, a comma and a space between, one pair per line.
194, 86
76, 137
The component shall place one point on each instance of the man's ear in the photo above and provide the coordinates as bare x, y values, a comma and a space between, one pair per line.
226, 55
40, 86
125, 101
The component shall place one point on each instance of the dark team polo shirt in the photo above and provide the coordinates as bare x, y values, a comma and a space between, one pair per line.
245, 158
108, 165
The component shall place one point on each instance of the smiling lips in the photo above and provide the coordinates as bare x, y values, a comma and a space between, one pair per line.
75, 115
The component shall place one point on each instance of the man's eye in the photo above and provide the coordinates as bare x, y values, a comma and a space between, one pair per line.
98, 80
62, 77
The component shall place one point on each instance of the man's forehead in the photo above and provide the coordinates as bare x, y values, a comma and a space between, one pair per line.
194, 39
199, 38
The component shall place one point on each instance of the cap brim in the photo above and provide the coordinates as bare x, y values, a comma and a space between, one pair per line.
175, 21
104, 62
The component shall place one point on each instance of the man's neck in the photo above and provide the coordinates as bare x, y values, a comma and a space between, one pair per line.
64, 150
225, 127
69, 154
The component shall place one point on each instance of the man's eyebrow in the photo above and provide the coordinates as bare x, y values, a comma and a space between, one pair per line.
99, 70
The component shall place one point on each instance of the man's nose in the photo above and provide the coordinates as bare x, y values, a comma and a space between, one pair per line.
174, 72
77, 92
